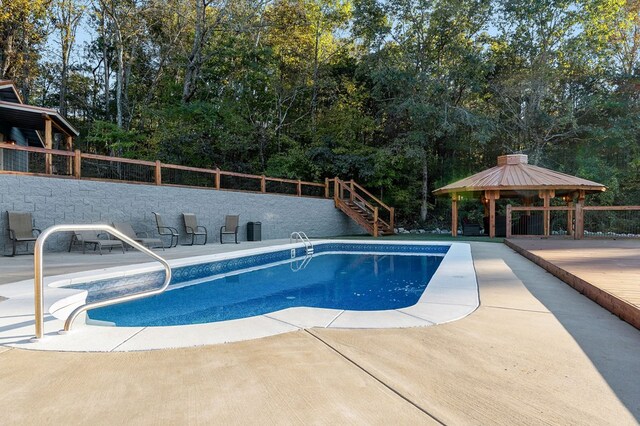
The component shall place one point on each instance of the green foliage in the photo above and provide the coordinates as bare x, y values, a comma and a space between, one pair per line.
202, 134
23, 31
107, 138
292, 164
403, 96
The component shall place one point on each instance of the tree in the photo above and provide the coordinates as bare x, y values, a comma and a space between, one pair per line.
425, 74
325, 17
402, 95
531, 86
23, 30
68, 14
209, 15
122, 20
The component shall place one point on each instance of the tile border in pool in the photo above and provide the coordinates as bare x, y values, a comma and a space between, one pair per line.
451, 294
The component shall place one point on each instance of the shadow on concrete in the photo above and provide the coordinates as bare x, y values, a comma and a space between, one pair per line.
612, 345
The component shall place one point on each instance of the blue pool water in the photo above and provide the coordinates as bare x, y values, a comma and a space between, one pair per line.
337, 281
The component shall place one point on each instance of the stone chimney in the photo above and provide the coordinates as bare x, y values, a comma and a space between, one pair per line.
504, 160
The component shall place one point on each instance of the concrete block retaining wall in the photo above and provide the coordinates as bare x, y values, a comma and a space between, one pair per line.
55, 201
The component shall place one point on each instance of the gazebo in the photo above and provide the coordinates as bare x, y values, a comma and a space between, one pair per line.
513, 177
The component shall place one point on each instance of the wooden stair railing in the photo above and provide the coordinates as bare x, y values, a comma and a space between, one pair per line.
364, 208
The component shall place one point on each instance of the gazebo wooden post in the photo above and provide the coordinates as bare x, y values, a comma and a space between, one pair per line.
454, 215
492, 196
579, 233
48, 144
485, 204
526, 201
545, 214
569, 200
546, 198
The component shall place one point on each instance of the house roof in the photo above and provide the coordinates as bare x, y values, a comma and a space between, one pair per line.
513, 173
17, 114
9, 92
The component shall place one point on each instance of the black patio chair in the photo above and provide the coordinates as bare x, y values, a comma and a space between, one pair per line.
192, 228
166, 230
230, 227
21, 229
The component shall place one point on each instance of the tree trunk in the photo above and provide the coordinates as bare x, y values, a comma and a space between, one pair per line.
314, 94
63, 87
119, 82
65, 46
105, 64
126, 105
5, 57
425, 188
194, 61
68, 17
262, 142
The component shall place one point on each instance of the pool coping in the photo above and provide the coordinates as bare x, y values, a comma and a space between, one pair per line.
452, 294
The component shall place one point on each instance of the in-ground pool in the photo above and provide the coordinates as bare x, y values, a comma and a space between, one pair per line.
450, 294
354, 281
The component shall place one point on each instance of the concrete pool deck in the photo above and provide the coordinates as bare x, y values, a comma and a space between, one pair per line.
534, 352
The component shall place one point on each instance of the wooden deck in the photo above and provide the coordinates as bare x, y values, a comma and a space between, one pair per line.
606, 271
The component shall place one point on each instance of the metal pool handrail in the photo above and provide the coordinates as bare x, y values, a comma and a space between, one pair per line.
39, 276
302, 237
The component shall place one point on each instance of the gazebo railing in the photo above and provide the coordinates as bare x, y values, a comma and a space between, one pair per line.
611, 222
535, 223
574, 221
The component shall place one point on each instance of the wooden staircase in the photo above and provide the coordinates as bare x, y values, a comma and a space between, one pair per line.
364, 208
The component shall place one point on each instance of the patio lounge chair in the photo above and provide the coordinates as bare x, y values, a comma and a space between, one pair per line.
126, 229
230, 227
21, 230
192, 227
166, 230
92, 237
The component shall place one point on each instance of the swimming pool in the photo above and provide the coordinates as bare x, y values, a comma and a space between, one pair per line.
451, 294
334, 280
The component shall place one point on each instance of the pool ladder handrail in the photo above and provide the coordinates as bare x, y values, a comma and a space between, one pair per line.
299, 235
299, 266
39, 276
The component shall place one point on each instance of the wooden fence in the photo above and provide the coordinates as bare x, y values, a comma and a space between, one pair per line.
16, 159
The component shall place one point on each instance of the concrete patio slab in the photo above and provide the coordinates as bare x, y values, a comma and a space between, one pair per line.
439, 313
543, 355
376, 319
287, 379
305, 317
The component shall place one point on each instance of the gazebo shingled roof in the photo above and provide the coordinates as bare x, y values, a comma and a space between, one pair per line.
514, 177
513, 173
